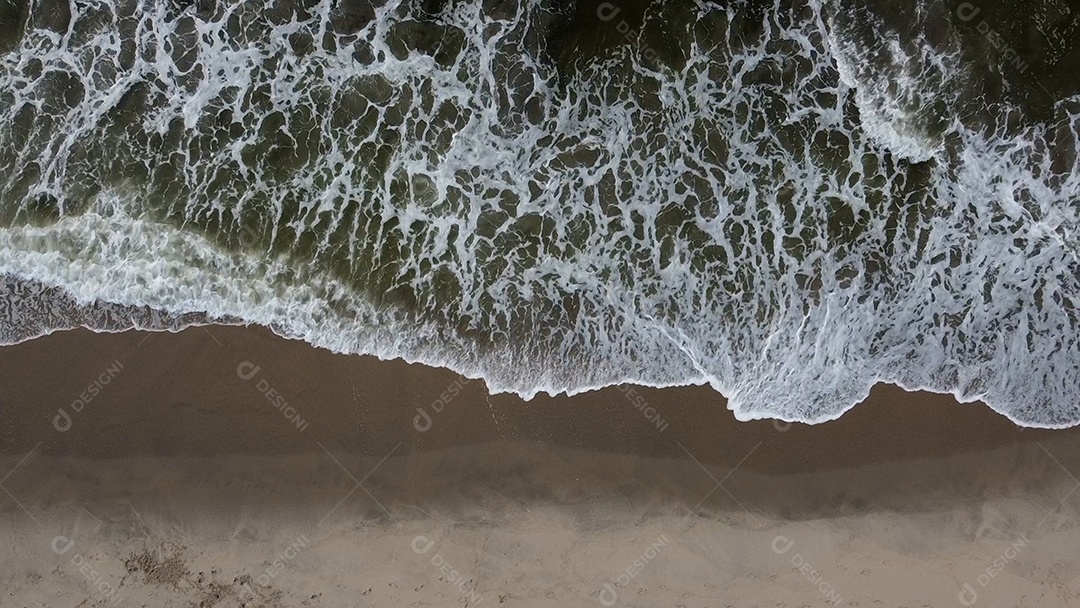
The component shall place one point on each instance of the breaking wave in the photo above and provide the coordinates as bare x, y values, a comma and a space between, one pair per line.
788, 201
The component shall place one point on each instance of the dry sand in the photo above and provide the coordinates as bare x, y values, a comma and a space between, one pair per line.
143, 470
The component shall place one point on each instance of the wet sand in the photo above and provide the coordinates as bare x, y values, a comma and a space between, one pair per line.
225, 466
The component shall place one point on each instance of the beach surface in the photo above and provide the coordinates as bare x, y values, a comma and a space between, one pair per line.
225, 466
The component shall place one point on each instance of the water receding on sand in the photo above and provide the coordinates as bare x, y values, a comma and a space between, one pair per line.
789, 201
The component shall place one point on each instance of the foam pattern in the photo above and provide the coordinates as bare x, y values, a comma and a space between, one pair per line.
760, 210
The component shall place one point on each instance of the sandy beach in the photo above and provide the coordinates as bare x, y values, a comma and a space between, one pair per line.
224, 466
787, 199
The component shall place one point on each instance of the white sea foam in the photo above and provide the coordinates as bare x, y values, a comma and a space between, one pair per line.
682, 233
891, 104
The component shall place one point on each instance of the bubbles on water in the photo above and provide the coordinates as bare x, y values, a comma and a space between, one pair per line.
735, 202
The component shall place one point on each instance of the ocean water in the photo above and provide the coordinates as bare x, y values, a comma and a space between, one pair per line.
789, 201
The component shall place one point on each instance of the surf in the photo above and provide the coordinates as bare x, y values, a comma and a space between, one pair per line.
786, 201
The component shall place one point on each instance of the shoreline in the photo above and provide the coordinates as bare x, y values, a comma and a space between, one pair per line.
186, 477
291, 386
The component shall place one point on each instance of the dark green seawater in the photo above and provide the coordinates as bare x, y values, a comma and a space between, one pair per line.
789, 201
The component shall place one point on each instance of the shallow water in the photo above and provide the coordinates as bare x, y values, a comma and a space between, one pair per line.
789, 201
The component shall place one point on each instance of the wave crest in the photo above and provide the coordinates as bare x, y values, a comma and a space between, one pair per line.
739, 206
